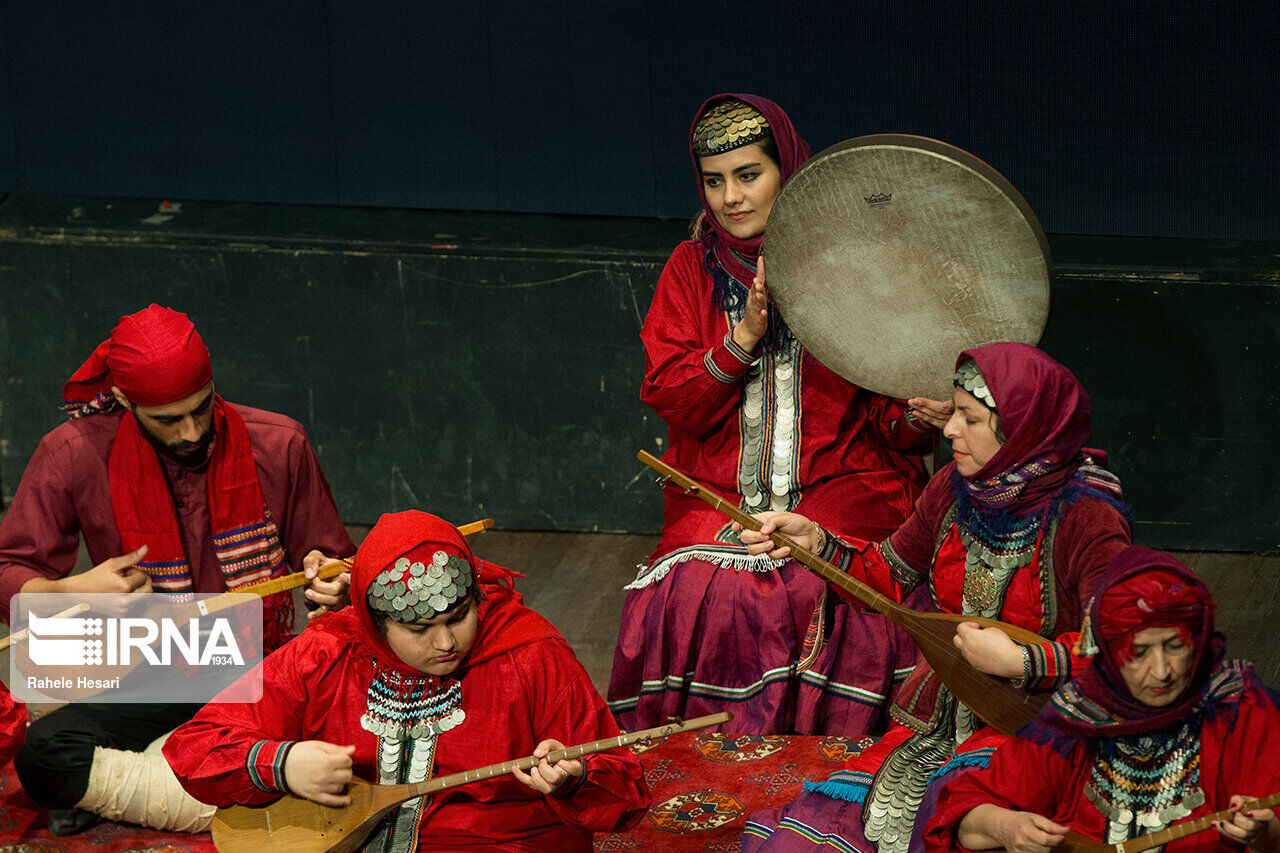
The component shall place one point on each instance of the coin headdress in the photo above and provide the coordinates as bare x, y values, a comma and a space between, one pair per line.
421, 584
970, 378
727, 125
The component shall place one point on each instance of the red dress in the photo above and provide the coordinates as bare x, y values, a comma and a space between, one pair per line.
315, 688
1239, 729
13, 725
777, 432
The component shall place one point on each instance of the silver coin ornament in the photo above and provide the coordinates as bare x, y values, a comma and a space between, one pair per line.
411, 591
970, 378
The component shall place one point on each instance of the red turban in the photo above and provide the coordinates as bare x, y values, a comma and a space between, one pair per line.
155, 357
1157, 598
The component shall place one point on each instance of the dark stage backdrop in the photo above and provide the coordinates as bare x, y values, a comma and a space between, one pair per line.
1128, 117
490, 365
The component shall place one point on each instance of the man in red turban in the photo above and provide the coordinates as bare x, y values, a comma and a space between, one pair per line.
174, 490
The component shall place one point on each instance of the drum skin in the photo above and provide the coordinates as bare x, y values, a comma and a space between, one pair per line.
887, 255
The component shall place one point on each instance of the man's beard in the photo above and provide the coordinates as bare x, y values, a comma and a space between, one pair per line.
189, 453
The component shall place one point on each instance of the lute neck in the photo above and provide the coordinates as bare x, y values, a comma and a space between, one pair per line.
568, 753
1189, 827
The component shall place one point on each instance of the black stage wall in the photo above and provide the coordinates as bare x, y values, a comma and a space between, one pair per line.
488, 364
1126, 117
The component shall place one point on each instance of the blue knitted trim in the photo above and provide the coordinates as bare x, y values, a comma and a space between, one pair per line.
978, 758
839, 789
990, 525
1075, 492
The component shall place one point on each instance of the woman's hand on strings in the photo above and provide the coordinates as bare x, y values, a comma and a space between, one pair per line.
545, 776
333, 594
935, 413
755, 318
989, 650
989, 827
1256, 829
1028, 832
319, 771
802, 531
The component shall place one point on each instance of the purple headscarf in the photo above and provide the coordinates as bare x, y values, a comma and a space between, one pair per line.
1044, 411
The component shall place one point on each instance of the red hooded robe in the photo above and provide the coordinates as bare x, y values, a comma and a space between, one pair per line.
520, 684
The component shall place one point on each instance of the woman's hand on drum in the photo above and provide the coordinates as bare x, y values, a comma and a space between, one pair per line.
935, 413
802, 531
755, 318
989, 650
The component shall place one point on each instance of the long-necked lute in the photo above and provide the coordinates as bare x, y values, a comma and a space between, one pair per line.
995, 700
297, 579
22, 634
303, 826
1077, 843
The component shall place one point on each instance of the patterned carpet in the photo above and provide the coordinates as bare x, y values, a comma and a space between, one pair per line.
704, 786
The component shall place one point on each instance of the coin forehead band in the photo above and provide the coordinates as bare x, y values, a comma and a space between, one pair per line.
727, 125
970, 378
412, 590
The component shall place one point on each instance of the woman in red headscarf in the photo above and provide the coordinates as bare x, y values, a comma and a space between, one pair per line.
1157, 730
436, 668
1017, 527
752, 415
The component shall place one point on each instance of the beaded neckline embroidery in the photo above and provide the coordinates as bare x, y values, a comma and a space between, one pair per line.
1143, 783
401, 707
407, 712
997, 545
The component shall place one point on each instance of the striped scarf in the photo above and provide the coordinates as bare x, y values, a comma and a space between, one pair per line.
245, 538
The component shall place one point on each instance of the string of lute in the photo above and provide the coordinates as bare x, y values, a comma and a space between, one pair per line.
569, 753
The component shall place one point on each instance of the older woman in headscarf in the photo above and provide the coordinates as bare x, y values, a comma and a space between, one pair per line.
436, 668
752, 415
1018, 527
1157, 730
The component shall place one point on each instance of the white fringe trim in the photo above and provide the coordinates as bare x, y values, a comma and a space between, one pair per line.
738, 562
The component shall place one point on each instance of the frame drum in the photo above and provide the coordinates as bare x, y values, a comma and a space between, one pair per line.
889, 254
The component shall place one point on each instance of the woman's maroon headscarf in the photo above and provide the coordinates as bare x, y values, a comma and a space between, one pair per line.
1140, 588
1044, 411
792, 152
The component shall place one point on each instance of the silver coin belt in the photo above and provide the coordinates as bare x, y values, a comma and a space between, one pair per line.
970, 378
410, 591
